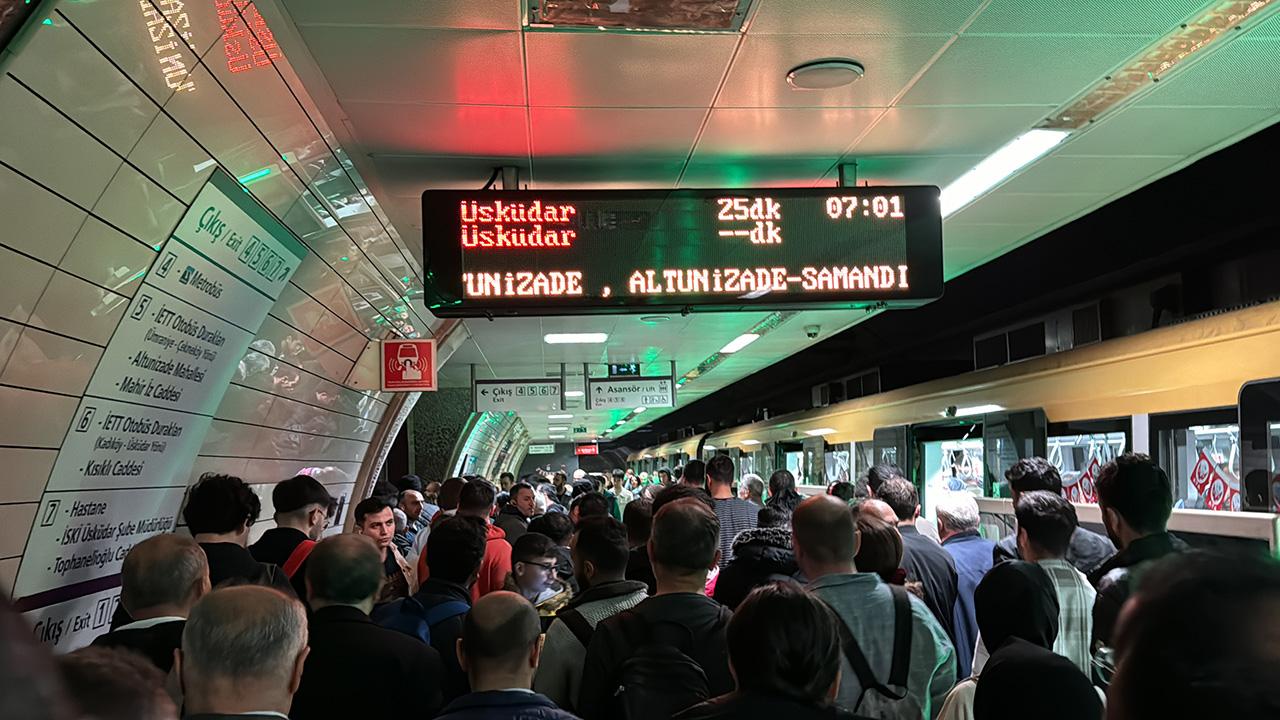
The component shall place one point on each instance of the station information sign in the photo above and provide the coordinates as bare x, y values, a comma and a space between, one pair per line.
563, 252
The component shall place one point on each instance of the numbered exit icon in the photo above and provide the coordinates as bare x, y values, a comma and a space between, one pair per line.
50, 513
166, 265
143, 303
86, 419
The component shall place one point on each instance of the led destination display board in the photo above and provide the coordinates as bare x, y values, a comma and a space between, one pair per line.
564, 252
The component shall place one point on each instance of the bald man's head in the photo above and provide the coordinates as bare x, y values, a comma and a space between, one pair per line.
878, 509
824, 531
345, 570
247, 631
500, 633
164, 571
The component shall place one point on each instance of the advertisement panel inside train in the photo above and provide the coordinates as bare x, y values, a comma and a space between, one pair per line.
562, 252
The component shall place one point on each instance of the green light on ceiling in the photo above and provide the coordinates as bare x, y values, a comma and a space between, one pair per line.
344, 258
404, 280
254, 176
47, 21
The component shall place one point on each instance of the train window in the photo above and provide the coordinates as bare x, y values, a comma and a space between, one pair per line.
1260, 444
1201, 453
861, 458
950, 459
1080, 449
1009, 437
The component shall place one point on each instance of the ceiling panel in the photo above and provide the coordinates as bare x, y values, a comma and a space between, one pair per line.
1084, 16
912, 169
617, 133
636, 172
1229, 77
752, 172
1104, 175
769, 132
466, 130
487, 15
1019, 70
866, 17
948, 130
758, 77
582, 69
1182, 131
1009, 207
416, 65
408, 176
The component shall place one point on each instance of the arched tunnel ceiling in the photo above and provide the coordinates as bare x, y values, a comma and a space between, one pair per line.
434, 95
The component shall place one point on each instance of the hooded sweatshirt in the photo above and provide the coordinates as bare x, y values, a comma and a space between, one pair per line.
494, 567
760, 556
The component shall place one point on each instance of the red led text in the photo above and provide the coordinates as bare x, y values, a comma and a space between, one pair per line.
501, 224
522, 284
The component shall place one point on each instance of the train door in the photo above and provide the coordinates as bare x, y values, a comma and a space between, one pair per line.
1260, 444
791, 456
838, 462
948, 457
892, 446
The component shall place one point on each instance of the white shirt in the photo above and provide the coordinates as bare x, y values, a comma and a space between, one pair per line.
149, 622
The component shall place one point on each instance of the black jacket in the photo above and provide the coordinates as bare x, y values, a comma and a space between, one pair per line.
504, 705
639, 568
926, 561
760, 556
155, 643
275, 546
1116, 578
1087, 552
229, 562
374, 663
704, 618
513, 522
445, 634
760, 706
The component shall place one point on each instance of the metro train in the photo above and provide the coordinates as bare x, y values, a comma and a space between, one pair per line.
1197, 396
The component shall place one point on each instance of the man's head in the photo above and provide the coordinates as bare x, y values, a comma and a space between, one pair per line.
408, 482
116, 684
533, 563
1046, 522
1199, 640
555, 525
664, 476
375, 519
1136, 498
901, 497
751, 488
877, 474
957, 513
501, 642
600, 550
243, 649
163, 575
617, 476
431, 492
695, 474
302, 502
842, 490
477, 498
587, 505
450, 491
345, 570
878, 509
879, 546
522, 499
824, 536
411, 502
686, 541
559, 479
682, 492
783, 640
455, 548
221, 505
720, 471
1017, 599
638, 517
506, 480
768, 517
1030, 474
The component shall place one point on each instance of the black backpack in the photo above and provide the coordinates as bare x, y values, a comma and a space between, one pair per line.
659, 678
899, 666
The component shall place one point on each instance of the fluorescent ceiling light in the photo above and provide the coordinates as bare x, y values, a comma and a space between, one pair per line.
555, 437
975, 410
710, 447
557, 429
750, 442
575, 338
573, 393
639, 409
559, 417
739, 342
819, 432
1015, 155
620, 422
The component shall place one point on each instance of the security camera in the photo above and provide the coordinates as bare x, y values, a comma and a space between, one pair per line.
811, 331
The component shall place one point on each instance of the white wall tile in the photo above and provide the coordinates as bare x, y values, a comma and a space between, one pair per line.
74, 307
22, 280
34, 419
139, 207
43, 361
37, 222
26, 472
107, 257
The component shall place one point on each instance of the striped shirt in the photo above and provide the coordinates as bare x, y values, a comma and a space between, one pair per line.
735, 515
1075, 613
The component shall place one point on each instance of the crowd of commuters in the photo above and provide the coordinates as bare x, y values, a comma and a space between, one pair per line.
692, 594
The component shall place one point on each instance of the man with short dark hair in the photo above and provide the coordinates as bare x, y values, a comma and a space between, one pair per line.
924, 560
600, 562
242, 655
558, 527
684, 548
695, 474
878, 474
825, 538
533, 574
453, 555
303, 508
500, 648
515, 515
476, 500
344, 575
219, 512
638, 517
505, 481
1136, 499
376, 520
1046, 522
734, 513
161, 579
588, 504
1088, 550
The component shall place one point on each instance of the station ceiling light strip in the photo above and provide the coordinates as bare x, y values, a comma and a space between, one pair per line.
759, 330
999, 165
1219, 20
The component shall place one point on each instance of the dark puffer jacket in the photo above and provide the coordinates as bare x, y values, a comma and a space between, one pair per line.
760, 556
